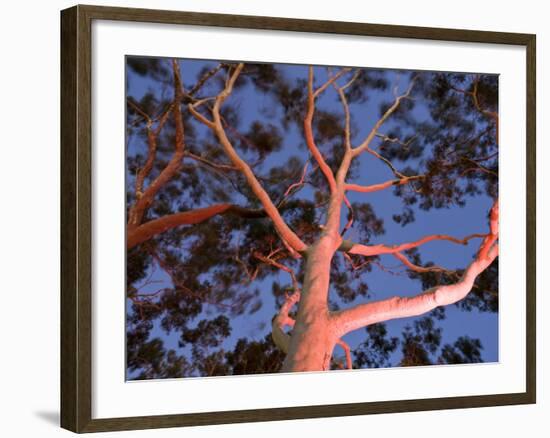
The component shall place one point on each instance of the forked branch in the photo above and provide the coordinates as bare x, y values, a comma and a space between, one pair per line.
475, 99
401, 307
288, 236
308, 132
372, 250
365, 145
144, 198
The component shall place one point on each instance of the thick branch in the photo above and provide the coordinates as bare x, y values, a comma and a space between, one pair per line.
144, 232
401, 307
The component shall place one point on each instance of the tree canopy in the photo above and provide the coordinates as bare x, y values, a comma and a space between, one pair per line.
213, 275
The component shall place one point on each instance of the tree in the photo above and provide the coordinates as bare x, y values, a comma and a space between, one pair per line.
219, 206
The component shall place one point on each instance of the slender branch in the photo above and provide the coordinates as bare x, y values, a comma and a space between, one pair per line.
485, 158
366, 143
352, 80
193, 109
140, 111
347, 352
308, 131
298, 183
287, 235
294, 187
475, 99
204, 79
152, 135
492, 114
356, 266
382, 186
350, 217
200, 159
386, 162
400, 307
421, 269
179, 284
396, 140
280, 266
280, 338
372, 250
145, 199
347, 119
345, 106
478, 167
331, 80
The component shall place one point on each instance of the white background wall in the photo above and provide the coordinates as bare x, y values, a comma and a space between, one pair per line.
29, 200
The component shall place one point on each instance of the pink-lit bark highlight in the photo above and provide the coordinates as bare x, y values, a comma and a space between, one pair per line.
316, 331
289, 237
401, 307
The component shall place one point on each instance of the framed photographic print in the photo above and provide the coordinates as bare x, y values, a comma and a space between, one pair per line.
267, 218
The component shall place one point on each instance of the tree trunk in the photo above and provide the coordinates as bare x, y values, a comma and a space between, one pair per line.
313, 338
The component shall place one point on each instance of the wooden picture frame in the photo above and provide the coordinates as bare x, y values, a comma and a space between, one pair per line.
76, 217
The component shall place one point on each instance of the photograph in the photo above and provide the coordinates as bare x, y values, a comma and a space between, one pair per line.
274, 220
306, 218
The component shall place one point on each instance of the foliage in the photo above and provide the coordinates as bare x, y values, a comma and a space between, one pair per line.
195, 292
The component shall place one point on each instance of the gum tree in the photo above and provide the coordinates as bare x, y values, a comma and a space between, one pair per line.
217, 211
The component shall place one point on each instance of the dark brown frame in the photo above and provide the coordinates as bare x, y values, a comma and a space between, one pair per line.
76, 168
